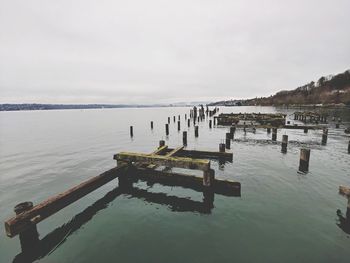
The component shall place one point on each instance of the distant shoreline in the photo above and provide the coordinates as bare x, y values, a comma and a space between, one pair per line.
37, 107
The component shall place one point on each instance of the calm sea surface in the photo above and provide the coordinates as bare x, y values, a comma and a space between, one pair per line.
281, 216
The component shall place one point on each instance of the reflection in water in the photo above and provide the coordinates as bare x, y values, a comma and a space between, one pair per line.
57, 237
176, 204
344, 222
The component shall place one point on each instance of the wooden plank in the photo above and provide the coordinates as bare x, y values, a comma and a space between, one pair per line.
174, 151
180, 162
204, 154
54, 204
160, 150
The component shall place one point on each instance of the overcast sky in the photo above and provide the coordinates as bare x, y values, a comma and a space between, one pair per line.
138, 51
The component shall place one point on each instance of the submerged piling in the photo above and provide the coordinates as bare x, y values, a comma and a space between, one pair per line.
284, 143
304, 160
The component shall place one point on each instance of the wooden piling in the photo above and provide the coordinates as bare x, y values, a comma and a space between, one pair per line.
174, 119
178, 126
222, 147
349, 147
196, 131
228, 140
268, 130
274, 134
167, 129
169, 120
185, 116
324, 136
131, 131
232, 132
161, 143
210, 124
304, 160
306, 130
152, 125
29, 237
184, 138
208, 178
284, 143
345, 191
337, 125
178, 117
188, 123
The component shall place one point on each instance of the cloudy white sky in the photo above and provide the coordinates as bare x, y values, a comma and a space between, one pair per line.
158, 51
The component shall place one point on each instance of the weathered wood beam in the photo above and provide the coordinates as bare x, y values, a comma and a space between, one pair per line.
173, 152
180, 162
204, 154
54, 204
223, 187
160, 150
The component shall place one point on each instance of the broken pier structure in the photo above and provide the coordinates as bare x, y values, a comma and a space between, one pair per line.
131, 167
272, 119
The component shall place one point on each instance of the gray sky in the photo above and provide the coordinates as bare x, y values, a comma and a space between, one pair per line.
137, 51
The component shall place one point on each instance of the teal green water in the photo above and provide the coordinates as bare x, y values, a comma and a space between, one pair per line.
281, 216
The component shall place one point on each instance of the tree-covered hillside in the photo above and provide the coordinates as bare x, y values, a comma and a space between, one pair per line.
327, 90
